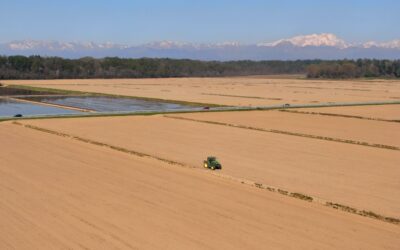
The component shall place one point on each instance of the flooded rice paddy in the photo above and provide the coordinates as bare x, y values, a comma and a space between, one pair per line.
10, 108
108, 104
17, 102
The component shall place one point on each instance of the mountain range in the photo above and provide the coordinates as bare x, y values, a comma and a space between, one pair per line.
315, 46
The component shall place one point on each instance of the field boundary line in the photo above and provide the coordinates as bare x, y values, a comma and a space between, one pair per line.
375, 145
338, 115
97, 143
262, 186
243, 96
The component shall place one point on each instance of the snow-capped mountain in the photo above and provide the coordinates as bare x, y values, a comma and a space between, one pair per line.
55, 45
324, 39
168, 45
314, 46
394, 44
330, 40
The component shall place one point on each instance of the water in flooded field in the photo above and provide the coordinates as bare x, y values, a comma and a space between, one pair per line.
9, 108
101, 104
110, 104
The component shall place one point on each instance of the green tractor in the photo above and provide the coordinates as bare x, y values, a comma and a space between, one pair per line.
212, 163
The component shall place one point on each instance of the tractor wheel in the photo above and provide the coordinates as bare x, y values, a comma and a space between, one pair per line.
212, 167
205, 165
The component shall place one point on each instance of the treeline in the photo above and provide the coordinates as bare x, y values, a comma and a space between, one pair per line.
354, 69
37, 67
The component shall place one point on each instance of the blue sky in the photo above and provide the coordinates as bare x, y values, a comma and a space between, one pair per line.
247, 21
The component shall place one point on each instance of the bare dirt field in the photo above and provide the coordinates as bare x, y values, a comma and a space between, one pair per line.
384, 112
137, 182
357, 130
334, 171
57, 193
238, 91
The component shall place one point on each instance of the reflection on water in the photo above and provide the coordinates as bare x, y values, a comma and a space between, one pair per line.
110, 104
10, 108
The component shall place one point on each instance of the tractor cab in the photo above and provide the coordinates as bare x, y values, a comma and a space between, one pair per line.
212, 163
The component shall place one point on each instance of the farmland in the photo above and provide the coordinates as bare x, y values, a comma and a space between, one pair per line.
385, 113
324, 178
237, 91
304, 165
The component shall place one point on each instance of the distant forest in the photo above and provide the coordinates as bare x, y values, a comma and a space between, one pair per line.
37, 67
354, 69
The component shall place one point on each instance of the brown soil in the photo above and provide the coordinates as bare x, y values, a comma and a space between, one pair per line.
370, 131
235, 90
358, 176
379, 112
58, 193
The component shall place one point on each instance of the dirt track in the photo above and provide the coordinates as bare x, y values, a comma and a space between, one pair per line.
60, 193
